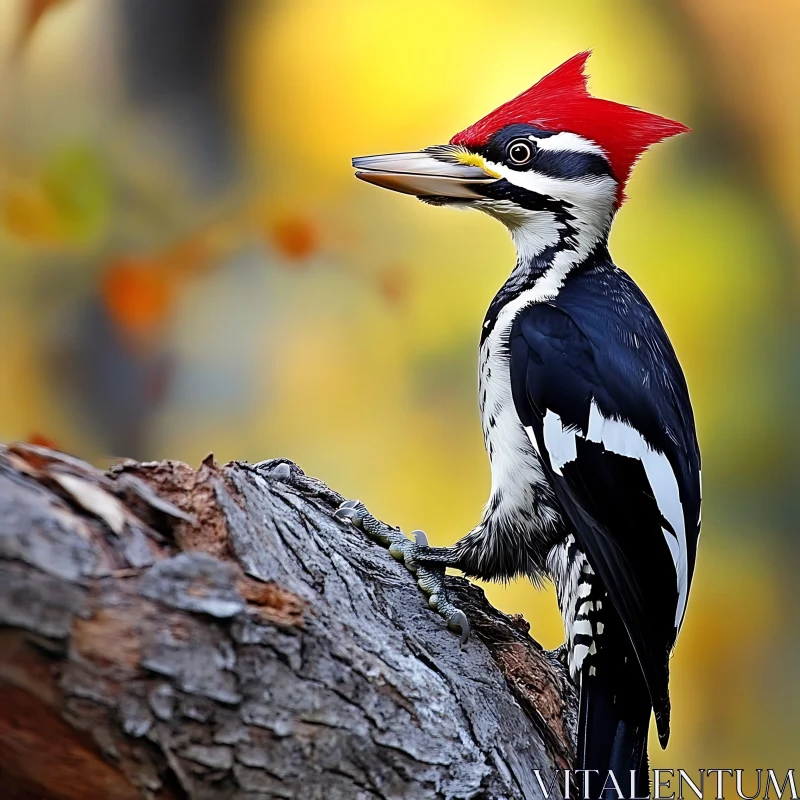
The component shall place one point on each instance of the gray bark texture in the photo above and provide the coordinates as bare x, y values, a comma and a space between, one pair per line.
168, 632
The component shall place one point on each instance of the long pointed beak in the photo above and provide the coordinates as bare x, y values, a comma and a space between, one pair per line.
434, 172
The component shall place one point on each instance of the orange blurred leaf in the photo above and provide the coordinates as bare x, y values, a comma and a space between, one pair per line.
43, 441
296, 238
138, 294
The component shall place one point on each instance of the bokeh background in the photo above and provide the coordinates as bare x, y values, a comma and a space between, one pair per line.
187, 265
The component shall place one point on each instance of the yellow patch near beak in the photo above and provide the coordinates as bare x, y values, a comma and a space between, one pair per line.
469, 159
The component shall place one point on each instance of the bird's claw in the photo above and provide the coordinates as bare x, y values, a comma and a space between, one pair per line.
355, 512
458, 622
349, 511
430, 580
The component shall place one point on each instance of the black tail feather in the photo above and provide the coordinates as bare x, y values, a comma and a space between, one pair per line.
612, 735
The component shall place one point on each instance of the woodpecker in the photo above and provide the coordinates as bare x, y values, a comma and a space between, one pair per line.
585, 409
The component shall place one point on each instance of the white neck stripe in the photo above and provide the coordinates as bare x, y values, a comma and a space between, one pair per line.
591, 207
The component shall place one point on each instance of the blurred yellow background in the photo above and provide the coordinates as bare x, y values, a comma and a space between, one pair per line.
187, 265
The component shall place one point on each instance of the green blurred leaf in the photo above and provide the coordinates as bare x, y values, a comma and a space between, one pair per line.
77, 181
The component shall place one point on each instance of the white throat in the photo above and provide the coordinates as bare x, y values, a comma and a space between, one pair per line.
591, 206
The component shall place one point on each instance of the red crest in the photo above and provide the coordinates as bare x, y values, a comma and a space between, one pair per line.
561, 102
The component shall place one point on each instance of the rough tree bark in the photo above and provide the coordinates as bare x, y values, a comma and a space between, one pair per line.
215, 633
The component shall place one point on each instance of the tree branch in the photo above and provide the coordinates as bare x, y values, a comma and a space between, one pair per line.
215, 633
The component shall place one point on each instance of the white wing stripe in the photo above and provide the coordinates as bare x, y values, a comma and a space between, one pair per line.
623, 439
559, 441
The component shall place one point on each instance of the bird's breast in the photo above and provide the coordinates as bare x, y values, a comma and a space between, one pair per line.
519, 488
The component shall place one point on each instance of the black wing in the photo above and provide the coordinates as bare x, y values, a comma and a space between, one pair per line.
611, 419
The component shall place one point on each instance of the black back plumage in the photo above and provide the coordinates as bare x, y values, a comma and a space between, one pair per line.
600, 341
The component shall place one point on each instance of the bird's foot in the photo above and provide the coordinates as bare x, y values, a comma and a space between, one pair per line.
430, 578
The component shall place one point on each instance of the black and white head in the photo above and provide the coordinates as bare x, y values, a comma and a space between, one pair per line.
550, 163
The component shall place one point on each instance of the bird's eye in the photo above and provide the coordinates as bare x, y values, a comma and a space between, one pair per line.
520, 152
